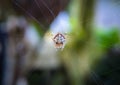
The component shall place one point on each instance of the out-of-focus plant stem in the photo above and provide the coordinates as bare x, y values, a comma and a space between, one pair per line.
77, 52
86, 16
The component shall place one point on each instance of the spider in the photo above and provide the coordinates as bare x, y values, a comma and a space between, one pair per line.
59, 41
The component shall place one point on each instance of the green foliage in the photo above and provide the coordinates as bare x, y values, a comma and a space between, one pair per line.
39, 29
107, 39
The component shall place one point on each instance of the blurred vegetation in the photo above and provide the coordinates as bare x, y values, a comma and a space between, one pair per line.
86, 45
88, 49
107, 39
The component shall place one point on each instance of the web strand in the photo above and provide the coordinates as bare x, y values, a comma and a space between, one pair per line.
48, 9
40, 9
29, 14
51, 12
96, 78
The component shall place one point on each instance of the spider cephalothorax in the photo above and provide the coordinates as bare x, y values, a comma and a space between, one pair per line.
59, 40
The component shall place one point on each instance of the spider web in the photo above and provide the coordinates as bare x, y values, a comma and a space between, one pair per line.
34, 6
39, 10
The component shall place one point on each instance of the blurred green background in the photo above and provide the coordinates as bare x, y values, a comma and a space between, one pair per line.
91, 55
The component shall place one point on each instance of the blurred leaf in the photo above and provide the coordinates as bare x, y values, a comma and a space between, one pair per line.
107, 39
39, 29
